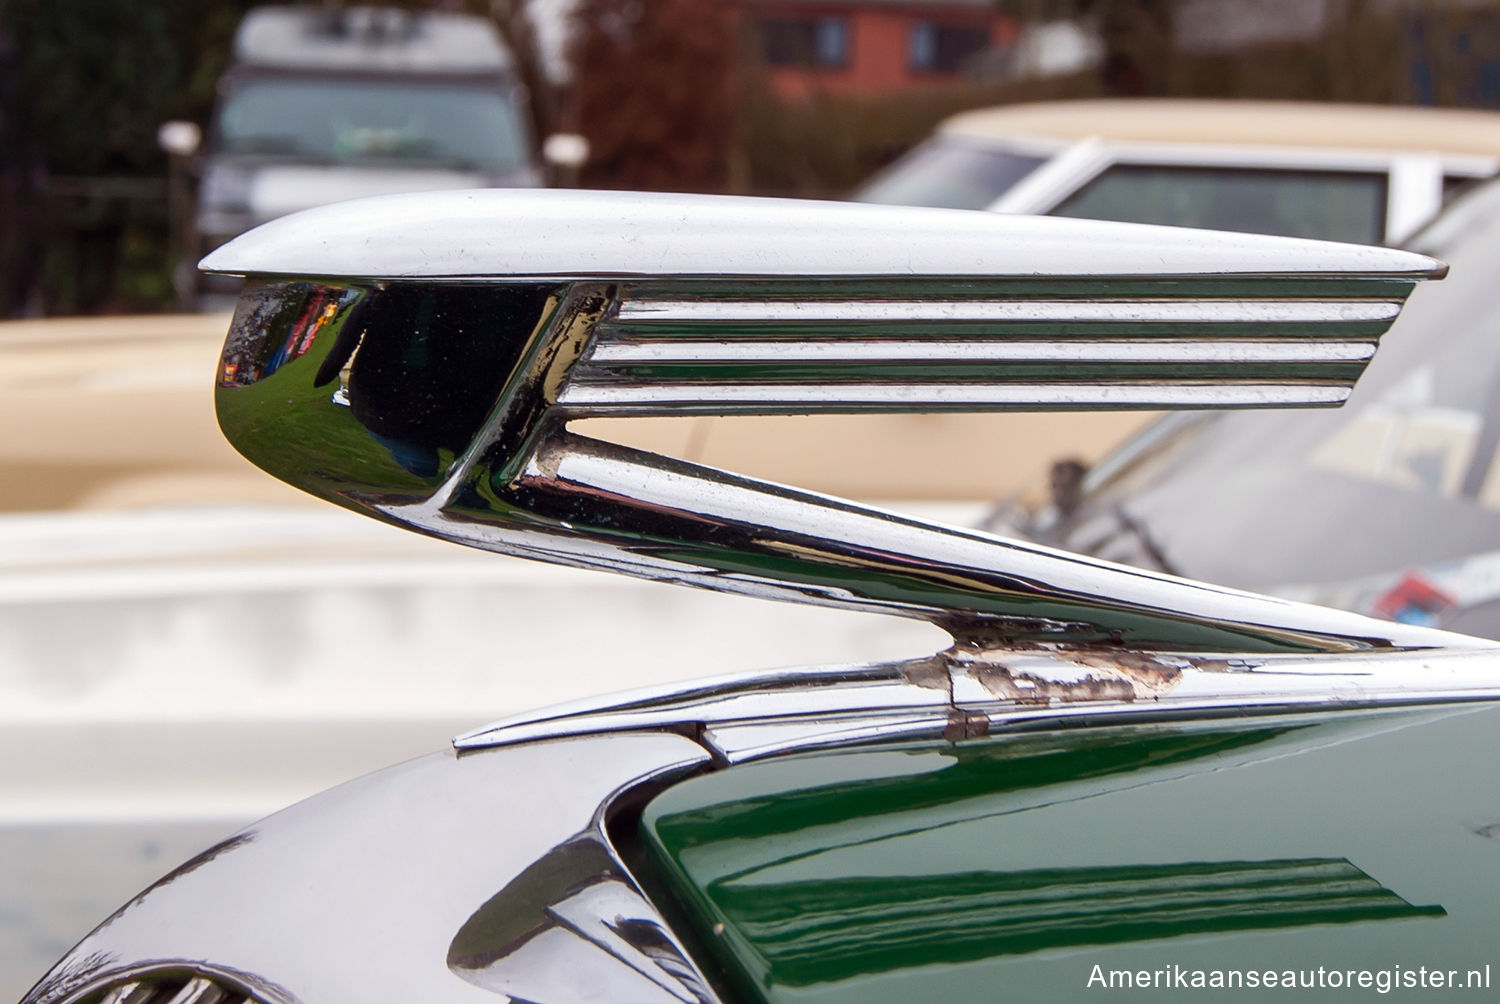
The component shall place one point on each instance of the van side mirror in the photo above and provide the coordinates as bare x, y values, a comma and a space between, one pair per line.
565, 151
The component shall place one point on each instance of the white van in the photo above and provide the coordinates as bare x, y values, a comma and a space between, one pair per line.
325, 103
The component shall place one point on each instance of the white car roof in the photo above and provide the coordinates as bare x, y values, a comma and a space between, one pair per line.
1307, 125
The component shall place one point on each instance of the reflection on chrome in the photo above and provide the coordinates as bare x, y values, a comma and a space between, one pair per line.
573, 921
444, 879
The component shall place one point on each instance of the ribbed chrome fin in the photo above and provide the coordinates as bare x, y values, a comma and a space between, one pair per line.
976, 349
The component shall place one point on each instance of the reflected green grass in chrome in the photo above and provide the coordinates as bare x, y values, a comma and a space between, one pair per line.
285, 425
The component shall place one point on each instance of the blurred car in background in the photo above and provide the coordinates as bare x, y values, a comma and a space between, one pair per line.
1359, 173
322, 103
1389, 506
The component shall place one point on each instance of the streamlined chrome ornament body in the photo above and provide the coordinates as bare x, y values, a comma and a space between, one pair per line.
465, 330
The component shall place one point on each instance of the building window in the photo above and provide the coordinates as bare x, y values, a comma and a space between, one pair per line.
822, 41
944, 48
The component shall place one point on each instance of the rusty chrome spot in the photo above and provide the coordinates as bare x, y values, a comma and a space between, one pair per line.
1039, 674
1031, 688
931, 673
966, 725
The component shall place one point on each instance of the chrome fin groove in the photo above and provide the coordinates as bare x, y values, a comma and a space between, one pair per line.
977, 347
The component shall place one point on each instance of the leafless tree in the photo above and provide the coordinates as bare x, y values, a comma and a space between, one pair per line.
652, 90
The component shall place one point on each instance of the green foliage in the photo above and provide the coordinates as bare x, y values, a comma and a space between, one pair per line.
99, 76
83, 192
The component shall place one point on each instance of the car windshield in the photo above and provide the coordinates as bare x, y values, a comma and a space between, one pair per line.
1327, 205
950, 174
1388, 506
465, 124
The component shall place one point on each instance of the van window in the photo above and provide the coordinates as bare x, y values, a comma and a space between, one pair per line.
457, 124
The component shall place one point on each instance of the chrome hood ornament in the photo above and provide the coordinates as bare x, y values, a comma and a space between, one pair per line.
418, 358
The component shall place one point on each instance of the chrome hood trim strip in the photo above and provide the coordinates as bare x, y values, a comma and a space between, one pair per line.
968, 692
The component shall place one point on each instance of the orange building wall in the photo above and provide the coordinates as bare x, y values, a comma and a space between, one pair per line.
878, 45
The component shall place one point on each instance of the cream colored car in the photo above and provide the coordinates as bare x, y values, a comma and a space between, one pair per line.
1365, 173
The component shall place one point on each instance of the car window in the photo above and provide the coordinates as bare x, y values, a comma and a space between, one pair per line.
1389, 505
1329, 205
949, 174
346, 121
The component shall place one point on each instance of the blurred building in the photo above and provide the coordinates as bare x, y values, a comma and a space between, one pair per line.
867, 46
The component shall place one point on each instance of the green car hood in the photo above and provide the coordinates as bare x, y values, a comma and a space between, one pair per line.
1332, 851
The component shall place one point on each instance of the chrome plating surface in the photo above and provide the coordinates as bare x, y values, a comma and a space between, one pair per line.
630, 398
954, 350
571, 234
968, 692
1184, 344
447, 879
963, 327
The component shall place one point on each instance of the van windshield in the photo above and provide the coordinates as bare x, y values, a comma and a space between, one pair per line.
454, 123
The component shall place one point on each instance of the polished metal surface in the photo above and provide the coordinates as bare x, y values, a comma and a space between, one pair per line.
558, 234
758, 398
999, 311
818, 350
967, 693
170, 985
495, 872
446, 879
200, 991
441, 405
955, 350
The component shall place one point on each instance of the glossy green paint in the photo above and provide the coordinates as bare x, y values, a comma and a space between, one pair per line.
1011, 867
